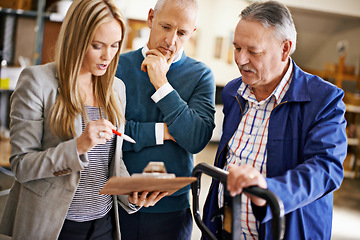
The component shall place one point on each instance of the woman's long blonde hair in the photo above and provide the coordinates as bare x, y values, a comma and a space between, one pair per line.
76, 34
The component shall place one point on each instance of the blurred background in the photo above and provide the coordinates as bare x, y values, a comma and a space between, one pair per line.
328, 45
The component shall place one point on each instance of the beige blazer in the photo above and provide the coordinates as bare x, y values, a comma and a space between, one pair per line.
46, 169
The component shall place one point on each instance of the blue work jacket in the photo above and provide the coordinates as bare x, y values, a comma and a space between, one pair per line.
306, 148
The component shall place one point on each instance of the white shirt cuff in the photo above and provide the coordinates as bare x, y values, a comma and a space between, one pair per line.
162, 92
159, 133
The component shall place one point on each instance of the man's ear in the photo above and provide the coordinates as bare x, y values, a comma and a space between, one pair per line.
286, 48
150, 18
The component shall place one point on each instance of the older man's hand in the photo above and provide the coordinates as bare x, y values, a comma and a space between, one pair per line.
244, 176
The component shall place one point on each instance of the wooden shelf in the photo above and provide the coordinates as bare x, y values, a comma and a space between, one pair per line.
353, 141
352, 103
341, 75
352, 161
338, 73
352, 108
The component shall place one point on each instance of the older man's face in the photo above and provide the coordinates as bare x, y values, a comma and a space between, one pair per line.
259, 54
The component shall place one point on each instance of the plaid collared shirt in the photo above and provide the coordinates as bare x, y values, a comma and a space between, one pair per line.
248, 144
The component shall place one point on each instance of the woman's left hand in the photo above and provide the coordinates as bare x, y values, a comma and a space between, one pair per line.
146, 201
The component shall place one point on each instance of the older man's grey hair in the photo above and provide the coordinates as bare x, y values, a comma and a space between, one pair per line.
180, 3
275, 14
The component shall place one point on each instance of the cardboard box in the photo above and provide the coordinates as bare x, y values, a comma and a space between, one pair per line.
23, 4
17, 4
25, 39
6, 3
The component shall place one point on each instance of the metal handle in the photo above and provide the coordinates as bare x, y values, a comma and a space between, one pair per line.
276, 205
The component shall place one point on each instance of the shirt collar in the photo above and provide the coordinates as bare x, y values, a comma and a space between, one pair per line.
246, 92
177, 57
285, 82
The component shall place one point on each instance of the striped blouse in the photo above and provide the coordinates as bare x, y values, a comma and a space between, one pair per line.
87, 203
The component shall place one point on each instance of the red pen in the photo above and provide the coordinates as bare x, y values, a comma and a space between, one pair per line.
125, 137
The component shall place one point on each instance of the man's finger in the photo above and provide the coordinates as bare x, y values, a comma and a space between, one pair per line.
171, 59
154, 52
143, 67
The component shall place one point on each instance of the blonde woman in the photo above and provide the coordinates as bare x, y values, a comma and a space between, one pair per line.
62, 146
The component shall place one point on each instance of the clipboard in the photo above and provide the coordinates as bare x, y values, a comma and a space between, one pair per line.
153, 178
128, 185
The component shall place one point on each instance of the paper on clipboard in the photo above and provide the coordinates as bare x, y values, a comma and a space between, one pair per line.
128, 185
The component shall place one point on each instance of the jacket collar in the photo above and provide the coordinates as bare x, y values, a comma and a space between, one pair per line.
298, 90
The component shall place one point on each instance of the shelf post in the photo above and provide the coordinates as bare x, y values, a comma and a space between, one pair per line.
341, 67
39, 32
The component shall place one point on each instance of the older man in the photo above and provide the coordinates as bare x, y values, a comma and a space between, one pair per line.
284, 130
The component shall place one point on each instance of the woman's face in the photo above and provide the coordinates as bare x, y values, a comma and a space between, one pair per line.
102, 49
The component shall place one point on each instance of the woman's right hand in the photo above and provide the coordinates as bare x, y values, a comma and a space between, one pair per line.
96, 132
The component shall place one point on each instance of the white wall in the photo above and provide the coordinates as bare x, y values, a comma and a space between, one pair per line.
328, 51
218, 19
137, 9
345, 7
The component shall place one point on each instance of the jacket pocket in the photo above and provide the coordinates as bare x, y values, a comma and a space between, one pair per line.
38, 187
